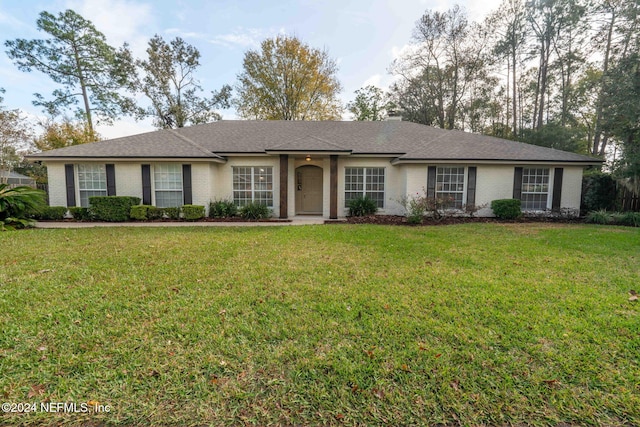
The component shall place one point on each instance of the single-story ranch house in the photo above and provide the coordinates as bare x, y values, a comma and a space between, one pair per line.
315, 168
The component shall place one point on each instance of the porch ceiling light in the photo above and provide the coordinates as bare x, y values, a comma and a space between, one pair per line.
308, 158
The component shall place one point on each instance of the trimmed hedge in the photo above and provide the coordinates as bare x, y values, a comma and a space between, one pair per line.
507, 208
192, 212
112, 208
51, 213
79, 213
140, 212
171, 213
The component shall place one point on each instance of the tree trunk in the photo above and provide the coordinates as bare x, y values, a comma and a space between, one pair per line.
83, 86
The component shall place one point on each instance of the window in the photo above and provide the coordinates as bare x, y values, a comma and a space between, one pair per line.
364, 182
253, 184
92, 181
167, 178
535, 189
450, 186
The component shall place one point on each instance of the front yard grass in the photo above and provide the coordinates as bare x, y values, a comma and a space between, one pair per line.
323, 325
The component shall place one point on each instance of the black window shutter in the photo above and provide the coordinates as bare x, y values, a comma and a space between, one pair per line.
146, 184
111, 179
471, 185
71, 185
186, 184
517, 183
431, 182
557, 189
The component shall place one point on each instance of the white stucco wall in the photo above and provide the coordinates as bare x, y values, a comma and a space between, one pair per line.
128, 179
214, 181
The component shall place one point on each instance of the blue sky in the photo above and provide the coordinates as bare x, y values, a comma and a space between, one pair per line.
363, 36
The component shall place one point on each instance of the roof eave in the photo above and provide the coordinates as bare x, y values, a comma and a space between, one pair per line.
35, 158
419, 160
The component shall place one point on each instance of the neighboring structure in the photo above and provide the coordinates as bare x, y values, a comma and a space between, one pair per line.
15, 179
303, 167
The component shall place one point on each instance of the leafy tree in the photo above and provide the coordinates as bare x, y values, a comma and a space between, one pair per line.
14, 134
510, 25
555, 135
77, 57
168, 80
622, 113
288, 80
444, 62
370, 104
64, 134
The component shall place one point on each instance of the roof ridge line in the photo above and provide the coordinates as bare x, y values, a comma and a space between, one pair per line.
326, 141
193, 143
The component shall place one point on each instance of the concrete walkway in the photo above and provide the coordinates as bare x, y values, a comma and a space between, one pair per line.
74, 224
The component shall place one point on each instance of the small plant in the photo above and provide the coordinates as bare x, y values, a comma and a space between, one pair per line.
506, 208
601, 216
79, 213
112, 208
362, 206
192, 212
471, 210
630, 219
254, 211
140, 212
415, 207
222, 209
171, 213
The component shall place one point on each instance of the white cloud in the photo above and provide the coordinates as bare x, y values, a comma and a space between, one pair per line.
185, 34
374, 80
245, 37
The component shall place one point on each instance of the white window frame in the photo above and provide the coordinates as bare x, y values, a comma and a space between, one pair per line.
255, 172
366, 179
535, 188
96, 188
462, 192
157, 169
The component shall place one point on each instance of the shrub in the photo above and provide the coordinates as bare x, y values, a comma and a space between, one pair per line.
599, 217
140, 212
51, 213
192, 212
362, 206
154, 212
80, 213
630, 219
506, 208
171, 213
222, 209
17, 204
598, 191
112, 208
254, 211
415, 207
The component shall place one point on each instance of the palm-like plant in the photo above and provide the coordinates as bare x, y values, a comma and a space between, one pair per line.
16, 203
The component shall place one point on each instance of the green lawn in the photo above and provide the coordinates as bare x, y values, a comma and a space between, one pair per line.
323, 325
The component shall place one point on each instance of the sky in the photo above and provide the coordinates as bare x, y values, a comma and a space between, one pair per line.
363, 36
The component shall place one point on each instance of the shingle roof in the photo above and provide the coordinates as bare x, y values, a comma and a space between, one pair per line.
404, 141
